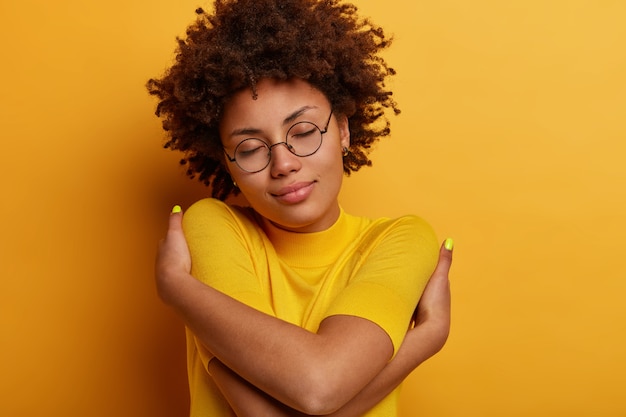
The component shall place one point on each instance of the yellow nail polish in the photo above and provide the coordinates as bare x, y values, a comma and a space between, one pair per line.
176, 209
448, 244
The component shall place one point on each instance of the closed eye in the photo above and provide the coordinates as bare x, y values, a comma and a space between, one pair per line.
250, 147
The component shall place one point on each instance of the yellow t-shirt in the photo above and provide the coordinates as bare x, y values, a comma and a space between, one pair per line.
374, 269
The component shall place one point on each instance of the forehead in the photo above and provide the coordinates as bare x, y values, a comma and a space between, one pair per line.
275, 100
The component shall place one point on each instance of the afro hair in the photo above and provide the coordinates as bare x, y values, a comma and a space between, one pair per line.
243, 41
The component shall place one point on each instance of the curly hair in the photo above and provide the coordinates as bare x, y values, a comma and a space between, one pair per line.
322, 42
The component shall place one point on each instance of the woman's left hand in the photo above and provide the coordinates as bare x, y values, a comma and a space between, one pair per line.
173, 257
433, 310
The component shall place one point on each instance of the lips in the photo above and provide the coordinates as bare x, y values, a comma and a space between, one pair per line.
294, 193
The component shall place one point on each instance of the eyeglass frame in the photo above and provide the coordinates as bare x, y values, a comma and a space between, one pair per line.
289, 147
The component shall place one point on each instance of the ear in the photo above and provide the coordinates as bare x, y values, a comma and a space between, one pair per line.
344, 131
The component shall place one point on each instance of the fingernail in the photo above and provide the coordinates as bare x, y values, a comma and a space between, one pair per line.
176, 209
448, 244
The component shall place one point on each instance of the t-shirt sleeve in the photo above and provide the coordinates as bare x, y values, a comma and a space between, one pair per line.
390, 274
223, 241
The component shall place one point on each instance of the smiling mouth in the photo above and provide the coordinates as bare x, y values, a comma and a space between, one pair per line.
291, 188
295, 193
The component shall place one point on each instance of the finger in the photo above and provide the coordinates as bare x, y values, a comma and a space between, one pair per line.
176, 219
445, 258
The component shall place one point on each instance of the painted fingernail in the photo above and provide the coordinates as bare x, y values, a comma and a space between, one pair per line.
448, 244
176, 209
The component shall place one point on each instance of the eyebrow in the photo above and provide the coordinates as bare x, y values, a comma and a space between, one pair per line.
289, 119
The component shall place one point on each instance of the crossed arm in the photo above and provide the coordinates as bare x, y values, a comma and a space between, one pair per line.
263, 363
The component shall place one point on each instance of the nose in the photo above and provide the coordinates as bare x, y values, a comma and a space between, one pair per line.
283, 161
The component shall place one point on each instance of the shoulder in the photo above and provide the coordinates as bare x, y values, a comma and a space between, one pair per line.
415, 226
410, 229
406, 237
213, 214
207, 206
211, 208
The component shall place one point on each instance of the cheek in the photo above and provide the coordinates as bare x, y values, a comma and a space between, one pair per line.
331, 153
334, 160
331, 170
247, 184
249, 187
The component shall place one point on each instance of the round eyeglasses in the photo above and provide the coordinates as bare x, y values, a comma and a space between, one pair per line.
302, 139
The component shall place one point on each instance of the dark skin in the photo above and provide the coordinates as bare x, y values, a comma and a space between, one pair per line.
267, 366
191, 299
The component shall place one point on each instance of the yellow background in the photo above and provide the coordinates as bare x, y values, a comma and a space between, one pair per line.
511, 140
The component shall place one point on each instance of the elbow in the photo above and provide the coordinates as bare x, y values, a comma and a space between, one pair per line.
316, 405
322, 394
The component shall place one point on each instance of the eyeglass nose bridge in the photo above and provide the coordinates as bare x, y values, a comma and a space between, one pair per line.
270, 158
270, 147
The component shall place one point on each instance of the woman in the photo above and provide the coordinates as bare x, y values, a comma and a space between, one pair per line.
293, 306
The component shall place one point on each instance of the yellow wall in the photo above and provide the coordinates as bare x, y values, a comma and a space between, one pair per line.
512, 140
